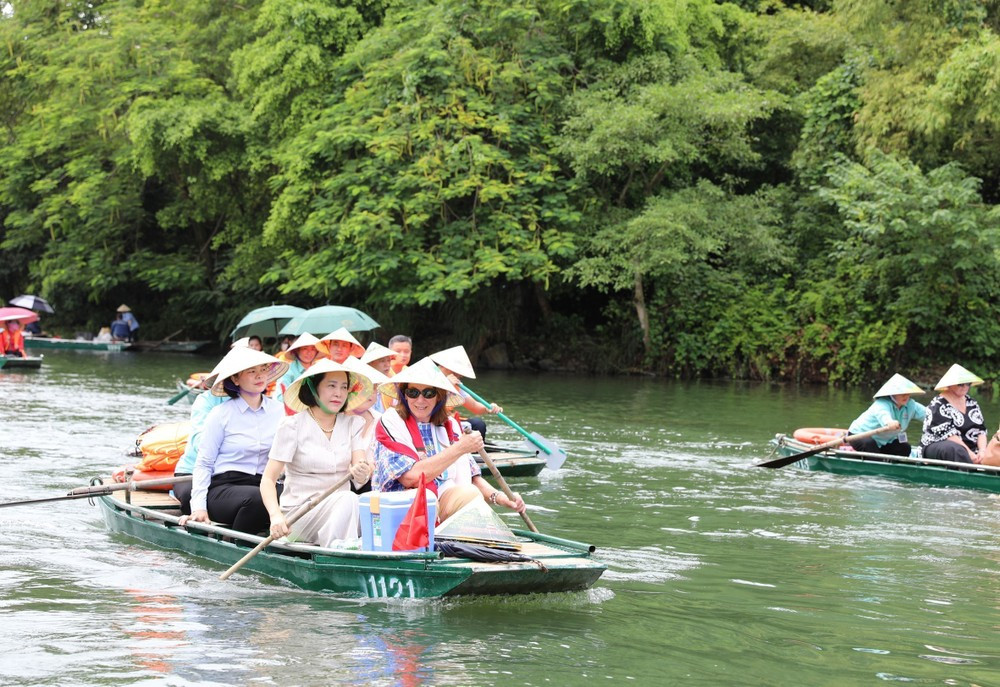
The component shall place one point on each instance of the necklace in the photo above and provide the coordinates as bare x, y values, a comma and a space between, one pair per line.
328, 432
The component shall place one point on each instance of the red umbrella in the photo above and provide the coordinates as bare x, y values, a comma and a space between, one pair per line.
20, 314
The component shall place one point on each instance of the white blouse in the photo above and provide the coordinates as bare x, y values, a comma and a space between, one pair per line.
314, 462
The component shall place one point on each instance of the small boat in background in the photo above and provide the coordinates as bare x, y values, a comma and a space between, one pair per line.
512, 461
169, 346
938, 473
47, 342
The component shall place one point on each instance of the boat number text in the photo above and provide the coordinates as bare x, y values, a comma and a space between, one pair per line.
390, 586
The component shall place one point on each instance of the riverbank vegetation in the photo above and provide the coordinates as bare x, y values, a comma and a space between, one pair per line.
765, 190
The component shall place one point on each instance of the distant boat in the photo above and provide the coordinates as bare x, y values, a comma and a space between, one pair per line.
938, 473
169, 346
31, 363
512, 462
76, 344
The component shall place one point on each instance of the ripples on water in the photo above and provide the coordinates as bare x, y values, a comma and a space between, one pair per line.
718, 572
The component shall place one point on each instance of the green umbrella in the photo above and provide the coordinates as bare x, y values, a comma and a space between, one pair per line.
327, 318
266, 321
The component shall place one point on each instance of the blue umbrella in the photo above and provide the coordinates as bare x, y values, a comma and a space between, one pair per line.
266, 321
327, 318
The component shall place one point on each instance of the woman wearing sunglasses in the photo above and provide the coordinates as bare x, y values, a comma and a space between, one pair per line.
954, 428
417, 438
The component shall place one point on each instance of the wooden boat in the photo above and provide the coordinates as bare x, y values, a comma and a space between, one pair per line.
15, 362
169, 346
939, 473
76, 344
562, 565
513, 462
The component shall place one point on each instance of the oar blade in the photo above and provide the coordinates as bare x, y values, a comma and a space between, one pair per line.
179, 396
554, 455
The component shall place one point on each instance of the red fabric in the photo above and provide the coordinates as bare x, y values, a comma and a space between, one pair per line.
12, 342
413, 532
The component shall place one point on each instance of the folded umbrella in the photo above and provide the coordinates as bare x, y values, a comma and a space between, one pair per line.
36, 303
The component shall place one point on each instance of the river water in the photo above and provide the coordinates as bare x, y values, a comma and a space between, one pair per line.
718, 573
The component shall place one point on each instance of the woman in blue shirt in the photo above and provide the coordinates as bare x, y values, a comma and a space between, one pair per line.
234, 444
892, 406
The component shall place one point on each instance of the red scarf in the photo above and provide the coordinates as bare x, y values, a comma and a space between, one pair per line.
416, 450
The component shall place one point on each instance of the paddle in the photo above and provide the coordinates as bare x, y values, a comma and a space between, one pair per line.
163, 341
180, 395
104, 490
503, 485
788, 460
310, 504
554, 456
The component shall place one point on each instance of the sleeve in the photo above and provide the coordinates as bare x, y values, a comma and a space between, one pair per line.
285, 440
208, 451
390, 464
919, 410
358, 442
881, 415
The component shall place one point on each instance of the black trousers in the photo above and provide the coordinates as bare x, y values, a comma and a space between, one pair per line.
893, 448
478, 424
947, 450
182, 492
234, 497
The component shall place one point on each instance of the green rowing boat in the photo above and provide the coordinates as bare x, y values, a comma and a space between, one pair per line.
16, 362
560, 565
512, 462
76, 344
938, 473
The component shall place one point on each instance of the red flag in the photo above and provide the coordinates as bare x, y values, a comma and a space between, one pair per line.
412, 533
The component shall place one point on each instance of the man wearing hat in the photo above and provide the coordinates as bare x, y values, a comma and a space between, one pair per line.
954, 428
133, 324
893, 407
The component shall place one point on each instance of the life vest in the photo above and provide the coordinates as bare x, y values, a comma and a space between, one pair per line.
162, 446
11, 342
818, 435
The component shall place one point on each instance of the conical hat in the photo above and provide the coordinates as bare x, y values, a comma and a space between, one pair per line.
957, 374
376, 351
362, 368
244, 343
357, 350
308, 339
426, 373
897, 386
239, 359
361, 391
124, 308
456, 360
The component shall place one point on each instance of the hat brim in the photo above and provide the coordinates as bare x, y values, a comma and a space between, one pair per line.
361, 391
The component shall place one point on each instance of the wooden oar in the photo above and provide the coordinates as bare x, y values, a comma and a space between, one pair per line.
310, 504
554, 456
503, 485
163, 341
788, 460
104, 490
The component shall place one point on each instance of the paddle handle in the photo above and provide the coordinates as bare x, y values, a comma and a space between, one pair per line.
788, 460
180, 395
310, 504
503, 485
131, 485
506, 419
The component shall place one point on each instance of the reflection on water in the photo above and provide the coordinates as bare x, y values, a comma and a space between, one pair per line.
718, 572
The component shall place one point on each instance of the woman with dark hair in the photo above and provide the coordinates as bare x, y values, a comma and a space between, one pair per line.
417, 437
300, 356
235, 441
316, 448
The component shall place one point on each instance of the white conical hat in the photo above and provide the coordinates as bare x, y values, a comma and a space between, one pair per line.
376, 351
897, 386
239, 359
308, 339
362, 368
357, 350
124, 308
361, 391
244, 343
424, 372
957, 374
456, 360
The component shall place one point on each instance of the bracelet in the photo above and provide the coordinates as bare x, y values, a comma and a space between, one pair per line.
493, 497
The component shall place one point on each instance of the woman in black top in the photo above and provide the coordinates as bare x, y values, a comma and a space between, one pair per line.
954, 428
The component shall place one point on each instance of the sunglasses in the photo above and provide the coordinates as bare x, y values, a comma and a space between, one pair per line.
429, 392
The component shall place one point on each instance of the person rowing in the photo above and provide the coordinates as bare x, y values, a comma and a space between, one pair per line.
892, 407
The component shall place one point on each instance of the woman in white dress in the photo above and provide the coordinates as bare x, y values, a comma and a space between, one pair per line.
316, 448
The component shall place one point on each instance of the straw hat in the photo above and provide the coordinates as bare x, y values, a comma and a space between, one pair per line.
308, 339
357, 350
896, 386
957, 374
361, 390
456, 360
424, 372
239, 359
376, 351
123, 308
